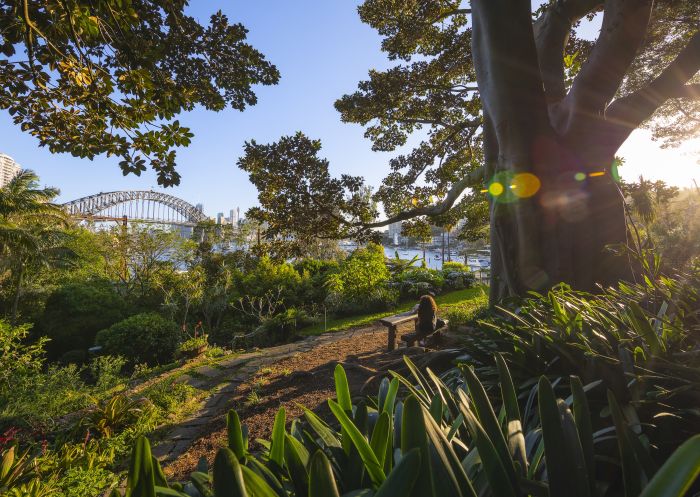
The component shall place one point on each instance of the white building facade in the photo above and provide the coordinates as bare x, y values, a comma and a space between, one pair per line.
8, 169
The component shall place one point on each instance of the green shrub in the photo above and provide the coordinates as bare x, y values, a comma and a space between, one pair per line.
457, 276
106, 371
361, 284
269, 276
146, 337
417, 281
169, 396
74, 313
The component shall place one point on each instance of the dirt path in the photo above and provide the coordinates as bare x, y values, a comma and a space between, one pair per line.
257, 384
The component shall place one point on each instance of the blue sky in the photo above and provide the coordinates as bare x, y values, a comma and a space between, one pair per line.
322, 50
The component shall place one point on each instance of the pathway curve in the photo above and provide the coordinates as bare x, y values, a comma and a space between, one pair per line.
228, 381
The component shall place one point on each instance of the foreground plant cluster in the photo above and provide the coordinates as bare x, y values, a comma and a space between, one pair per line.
437, 441
560, 394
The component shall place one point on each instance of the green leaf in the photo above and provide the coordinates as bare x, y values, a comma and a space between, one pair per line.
388, 405
401, 480
277, 448
582, 417
8, 460
158, 475
632, 472
380, 437
321, 429
256, 484
414, 436
141, 479
488, 420
342, 389
235, 434
559, 471
436, 408
297, 460
321, 480
227, 474
641, 325
266, 474
449, 477
201, 482
516, 439
369, 458
577, 460
678, 472
168, 492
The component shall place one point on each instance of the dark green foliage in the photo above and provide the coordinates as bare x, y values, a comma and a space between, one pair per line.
146, 337
74, 313
288, 174
109, 77
638, 340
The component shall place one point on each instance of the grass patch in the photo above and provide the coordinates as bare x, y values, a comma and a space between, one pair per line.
445, 302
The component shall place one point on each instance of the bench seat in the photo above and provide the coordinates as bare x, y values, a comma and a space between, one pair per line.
412, 338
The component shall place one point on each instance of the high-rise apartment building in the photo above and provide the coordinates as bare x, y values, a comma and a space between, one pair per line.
8, 169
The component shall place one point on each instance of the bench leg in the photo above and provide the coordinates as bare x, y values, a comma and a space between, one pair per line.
392, 338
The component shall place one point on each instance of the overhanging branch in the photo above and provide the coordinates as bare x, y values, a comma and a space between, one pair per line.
552, 31
431, 210
628, 113
624, 28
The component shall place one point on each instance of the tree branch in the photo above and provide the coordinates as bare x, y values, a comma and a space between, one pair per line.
628, 113
432, 210
624, 28
552, 31
507, 70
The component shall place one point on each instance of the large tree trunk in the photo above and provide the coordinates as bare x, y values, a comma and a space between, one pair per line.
559, 234
571, 227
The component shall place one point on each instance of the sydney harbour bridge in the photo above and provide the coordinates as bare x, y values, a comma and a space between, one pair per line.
140, 206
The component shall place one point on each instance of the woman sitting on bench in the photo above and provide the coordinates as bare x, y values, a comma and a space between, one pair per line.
428, 321
427, 315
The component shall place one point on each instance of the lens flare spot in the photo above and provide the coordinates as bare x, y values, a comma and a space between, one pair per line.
414, 201
525, 185
597, 174
485, 190
580, 176
615, 171
496, 189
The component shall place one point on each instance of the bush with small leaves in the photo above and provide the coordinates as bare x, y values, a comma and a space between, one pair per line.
146, 337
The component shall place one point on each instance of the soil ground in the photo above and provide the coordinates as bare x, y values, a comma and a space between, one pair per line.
296, 378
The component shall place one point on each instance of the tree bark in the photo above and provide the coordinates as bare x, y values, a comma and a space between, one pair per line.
560, 233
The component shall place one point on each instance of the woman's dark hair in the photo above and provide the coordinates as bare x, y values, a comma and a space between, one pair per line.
427, 311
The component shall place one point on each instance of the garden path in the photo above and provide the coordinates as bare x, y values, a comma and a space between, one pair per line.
256, 384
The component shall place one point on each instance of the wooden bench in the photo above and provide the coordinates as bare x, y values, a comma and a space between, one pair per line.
393, 322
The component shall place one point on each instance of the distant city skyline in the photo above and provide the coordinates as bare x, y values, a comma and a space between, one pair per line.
322, 50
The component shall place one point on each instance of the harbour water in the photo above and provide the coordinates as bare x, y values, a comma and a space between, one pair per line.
431, 260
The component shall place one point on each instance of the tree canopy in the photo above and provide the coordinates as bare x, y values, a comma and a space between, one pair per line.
432, 93
110, 77
498, 94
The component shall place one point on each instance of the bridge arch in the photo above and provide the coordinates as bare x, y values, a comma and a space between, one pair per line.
136, 205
